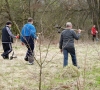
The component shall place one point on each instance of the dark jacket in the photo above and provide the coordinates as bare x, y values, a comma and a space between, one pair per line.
7, 36
67, 39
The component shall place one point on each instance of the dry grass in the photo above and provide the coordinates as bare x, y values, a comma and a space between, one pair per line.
16, 74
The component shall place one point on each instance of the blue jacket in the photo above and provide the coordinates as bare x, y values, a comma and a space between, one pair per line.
28, 30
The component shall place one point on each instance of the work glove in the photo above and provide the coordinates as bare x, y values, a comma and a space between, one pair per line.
61, 50
37, 38
96, 31
79, 30
17, 37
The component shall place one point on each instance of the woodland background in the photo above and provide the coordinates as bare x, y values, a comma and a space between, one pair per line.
48, 73
47, 13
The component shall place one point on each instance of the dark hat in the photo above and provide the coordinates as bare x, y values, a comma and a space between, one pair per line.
8, 22
30, 19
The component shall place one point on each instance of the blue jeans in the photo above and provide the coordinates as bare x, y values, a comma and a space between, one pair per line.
73, 56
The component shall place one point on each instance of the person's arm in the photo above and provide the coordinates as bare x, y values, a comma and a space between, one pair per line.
61, 42
33, 32
92, 30
10, 33
96, 30
76, 36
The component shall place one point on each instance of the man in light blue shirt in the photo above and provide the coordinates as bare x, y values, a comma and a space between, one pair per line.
28, 34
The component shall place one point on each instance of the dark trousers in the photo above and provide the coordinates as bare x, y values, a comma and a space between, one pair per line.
29, 42
7, 47
94, 37
73, 56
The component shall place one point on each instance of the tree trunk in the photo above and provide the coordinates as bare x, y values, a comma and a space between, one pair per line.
8, 10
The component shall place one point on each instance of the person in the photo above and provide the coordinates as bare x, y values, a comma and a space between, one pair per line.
66, 44
94, 33
7, 40
28, 35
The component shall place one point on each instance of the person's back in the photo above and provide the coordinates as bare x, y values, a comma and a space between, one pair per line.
67, 38
6, 38
28, 31
93, 30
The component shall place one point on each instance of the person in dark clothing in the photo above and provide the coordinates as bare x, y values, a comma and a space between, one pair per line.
28, 35
7, 40
66, 43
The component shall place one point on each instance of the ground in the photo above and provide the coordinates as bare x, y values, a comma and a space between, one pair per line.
16, 74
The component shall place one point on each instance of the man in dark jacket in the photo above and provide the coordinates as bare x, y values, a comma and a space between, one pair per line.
66, 43
7, 40
28, 35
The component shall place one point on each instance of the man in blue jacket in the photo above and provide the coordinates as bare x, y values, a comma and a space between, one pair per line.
66, 43
28, 34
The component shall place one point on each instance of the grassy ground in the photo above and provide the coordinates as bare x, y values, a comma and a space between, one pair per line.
16, 74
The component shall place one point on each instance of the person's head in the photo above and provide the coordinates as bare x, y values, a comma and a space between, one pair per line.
30, 20
69, 25
9, 23
94, 26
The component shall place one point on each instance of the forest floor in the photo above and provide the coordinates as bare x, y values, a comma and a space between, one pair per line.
16, 74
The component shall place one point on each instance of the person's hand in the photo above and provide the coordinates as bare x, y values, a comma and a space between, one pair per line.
37, 38
96, 31
91, 32
17, 37
22, 43
61, 50
79, 30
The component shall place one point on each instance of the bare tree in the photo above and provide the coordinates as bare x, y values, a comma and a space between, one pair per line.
94, 6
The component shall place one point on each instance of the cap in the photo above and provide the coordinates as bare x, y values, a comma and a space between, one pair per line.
8, 22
